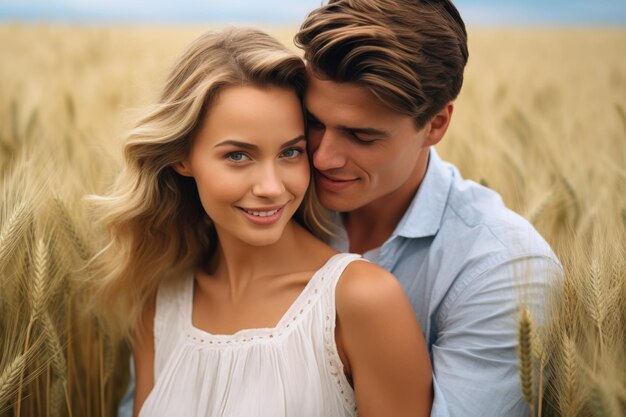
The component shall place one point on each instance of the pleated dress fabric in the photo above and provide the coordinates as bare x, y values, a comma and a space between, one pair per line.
292, 369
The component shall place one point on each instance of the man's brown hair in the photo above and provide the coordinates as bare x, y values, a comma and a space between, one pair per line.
411, 54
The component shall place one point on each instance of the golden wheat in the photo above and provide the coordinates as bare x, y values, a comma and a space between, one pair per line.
10, 377
541, 119
525, 357
602, 404
38, 293
71, 231
13, 230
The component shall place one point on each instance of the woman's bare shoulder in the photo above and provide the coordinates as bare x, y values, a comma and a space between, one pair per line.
366, 288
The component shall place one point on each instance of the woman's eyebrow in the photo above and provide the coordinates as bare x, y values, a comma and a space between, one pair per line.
237, 143
293, 141
251, 146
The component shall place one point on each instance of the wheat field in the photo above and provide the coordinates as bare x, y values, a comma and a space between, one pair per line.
541, 119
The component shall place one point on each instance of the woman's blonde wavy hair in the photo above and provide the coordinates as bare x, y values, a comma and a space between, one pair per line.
156, 225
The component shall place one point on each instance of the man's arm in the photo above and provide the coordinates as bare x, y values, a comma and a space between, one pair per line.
474, 354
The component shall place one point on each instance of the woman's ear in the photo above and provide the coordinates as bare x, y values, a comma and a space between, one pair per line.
183, 168
438, 125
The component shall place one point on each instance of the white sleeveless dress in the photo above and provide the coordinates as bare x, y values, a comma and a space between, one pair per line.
291, 370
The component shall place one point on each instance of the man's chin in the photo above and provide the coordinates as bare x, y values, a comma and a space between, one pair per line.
341, 202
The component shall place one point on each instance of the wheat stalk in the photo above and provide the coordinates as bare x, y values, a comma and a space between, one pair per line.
595, 300
9, 379
13, 230
39, 297
53, 346
540, 354
569, 395
21, 383
38, 293
56, 397
525, 356
539, 208
12, 378
70, 230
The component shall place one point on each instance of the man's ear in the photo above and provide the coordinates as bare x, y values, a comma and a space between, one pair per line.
183, 168
438, 125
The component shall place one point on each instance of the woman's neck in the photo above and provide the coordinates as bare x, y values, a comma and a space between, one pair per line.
239, 263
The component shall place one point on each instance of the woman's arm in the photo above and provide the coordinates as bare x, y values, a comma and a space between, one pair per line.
383, 344
143, 354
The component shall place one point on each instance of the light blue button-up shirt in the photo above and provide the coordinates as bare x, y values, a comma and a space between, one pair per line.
467, 263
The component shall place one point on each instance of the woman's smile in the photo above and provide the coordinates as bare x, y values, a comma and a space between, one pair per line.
263, 216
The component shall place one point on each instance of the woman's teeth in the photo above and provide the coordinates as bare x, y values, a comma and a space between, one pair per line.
262, 213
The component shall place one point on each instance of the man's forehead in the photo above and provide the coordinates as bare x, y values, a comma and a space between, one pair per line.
346, 104
332, 93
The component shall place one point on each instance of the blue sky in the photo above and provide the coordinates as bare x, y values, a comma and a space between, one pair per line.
484, 12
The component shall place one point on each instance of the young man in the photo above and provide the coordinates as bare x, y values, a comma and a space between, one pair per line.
383, 75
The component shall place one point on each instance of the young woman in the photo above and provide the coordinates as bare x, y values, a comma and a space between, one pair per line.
215, 269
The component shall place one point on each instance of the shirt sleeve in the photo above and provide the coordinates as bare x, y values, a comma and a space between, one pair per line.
125, 408
474, 355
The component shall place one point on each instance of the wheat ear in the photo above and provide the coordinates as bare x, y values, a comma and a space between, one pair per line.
38, 303
525, 357
12, 231
540, 354
38, 293
57, 397
10, 377
53, 346
568, 399
70, 230
533, 214
596, 303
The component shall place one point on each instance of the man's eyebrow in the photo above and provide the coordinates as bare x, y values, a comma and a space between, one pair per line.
367, 131
253, 147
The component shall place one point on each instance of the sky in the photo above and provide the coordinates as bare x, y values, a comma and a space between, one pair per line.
481, 12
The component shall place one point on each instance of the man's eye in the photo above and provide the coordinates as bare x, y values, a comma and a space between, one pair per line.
292, 153
357, 139
236, 156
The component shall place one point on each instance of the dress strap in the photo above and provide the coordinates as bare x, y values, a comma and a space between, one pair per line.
329, 311
168, 318
336, 266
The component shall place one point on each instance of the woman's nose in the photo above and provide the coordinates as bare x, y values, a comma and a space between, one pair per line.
268, 183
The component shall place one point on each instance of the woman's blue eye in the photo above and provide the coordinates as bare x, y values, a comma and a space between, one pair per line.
236, 156
291, 153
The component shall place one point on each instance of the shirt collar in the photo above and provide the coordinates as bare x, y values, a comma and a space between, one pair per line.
425, 213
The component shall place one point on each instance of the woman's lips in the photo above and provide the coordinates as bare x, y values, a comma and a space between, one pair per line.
263, 216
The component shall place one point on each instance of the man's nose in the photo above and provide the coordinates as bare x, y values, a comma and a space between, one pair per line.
269, 183
328, 152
